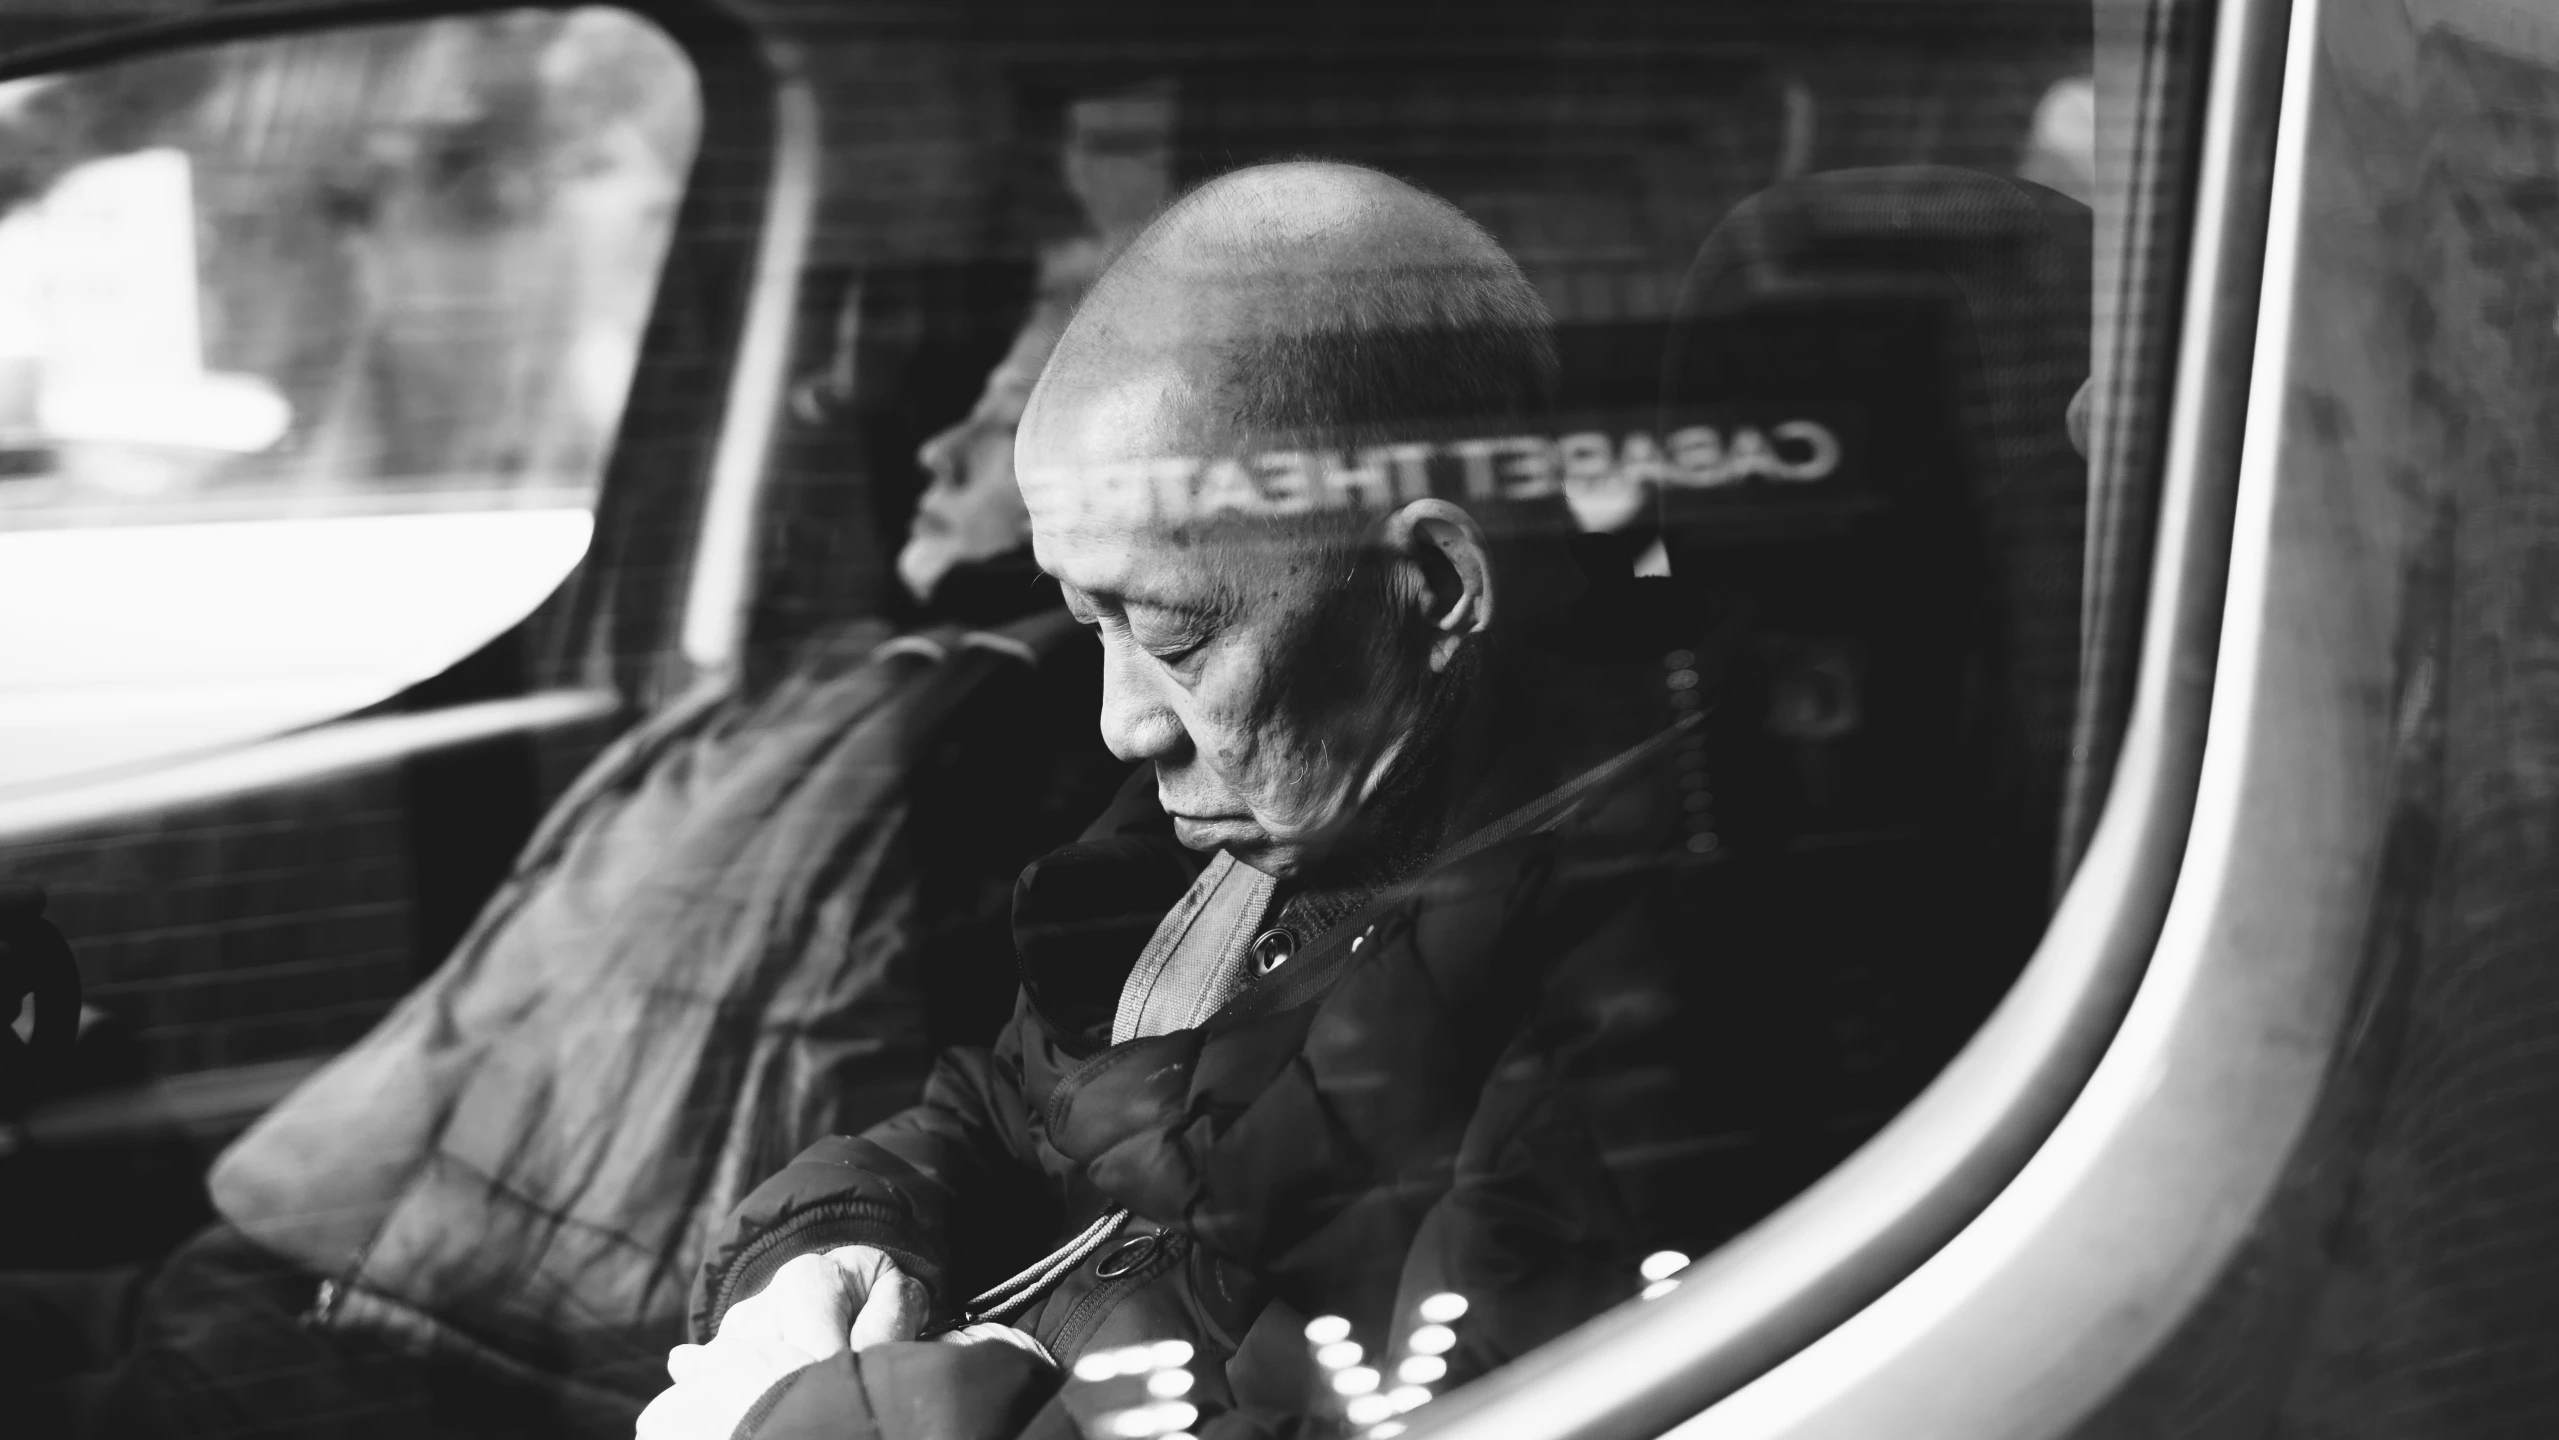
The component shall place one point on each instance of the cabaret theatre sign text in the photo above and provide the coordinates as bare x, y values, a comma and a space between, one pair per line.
1605, 474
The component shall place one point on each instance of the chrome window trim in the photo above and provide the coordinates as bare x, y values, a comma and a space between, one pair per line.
1939, 1170
2067, 1282
722, 583
1881, 1224
335, 747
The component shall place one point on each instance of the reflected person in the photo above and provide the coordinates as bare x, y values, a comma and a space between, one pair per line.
1117, 164
1410, 1029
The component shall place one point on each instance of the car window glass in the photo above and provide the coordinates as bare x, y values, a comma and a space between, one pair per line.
1822, 297
1326, 983
328, 335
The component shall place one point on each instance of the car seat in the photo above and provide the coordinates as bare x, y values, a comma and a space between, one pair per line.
1874, 531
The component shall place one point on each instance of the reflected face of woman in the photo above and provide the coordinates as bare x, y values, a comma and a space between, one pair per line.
970, 510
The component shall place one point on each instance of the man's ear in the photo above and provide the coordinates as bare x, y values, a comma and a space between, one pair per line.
1447, 547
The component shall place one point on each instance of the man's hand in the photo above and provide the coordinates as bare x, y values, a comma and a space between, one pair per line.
821, 1305
816, 1306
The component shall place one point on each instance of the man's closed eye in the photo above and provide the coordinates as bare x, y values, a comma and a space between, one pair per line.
1170, 645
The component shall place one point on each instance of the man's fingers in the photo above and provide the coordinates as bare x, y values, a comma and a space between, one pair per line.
690, 1412
810, 1304
757, 1363
657, 1421
730, 1362
895, 1310
806, 1309
807, 1313
756, 1319
815, 1325
715, 1385
862, 1266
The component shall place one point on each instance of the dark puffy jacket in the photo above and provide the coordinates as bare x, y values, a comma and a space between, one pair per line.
1483, 1083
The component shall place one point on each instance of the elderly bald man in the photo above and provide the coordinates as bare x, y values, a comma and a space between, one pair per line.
1364, 997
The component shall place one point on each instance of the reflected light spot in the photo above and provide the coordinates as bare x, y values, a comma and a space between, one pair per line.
1148, 1420
1663, 1264
1443, 1307
1422, 1370
1325, 1329
1369, 1409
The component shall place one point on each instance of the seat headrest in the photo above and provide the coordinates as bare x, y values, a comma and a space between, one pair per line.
1883, 363
1864, 340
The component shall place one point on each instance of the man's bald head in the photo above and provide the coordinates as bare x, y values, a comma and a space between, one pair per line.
1306, 302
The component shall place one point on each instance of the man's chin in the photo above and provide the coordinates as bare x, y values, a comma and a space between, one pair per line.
1278, 856
1223, 832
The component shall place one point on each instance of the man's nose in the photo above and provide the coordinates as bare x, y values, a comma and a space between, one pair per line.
1137, 724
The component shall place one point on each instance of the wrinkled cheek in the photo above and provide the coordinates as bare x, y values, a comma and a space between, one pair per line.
1298, 794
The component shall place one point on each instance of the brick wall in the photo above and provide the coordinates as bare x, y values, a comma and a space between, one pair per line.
271, 925
245, 931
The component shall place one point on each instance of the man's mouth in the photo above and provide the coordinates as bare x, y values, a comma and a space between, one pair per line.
1203, 832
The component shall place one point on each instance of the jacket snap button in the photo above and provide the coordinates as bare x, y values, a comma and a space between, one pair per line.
1126, 1256
1271, 950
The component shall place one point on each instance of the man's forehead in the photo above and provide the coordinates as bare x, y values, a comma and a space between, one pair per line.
1086, 452
1103, 476
1090, 412
1134, 566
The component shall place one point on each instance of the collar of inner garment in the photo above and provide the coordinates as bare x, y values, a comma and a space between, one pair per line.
1200, 954
1225, 933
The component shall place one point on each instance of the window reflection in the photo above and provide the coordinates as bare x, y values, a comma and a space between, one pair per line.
356, 310
301, 275
1394, 685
